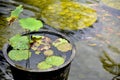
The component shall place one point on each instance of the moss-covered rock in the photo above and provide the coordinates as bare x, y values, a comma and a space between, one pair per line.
69, 16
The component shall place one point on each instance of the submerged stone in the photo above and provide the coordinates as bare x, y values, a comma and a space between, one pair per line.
69, 16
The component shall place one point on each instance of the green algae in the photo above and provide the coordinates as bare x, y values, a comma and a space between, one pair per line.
69, 16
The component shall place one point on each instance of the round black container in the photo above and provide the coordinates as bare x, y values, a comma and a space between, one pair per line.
58, 73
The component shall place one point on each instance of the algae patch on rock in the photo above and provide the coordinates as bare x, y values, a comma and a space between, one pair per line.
69, 16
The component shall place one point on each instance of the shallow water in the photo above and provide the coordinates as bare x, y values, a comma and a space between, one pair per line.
102, 39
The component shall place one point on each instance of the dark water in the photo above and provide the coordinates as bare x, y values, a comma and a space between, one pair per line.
98, 47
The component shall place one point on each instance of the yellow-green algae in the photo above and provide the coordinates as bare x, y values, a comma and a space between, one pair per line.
41, 3
69, 16
112, 3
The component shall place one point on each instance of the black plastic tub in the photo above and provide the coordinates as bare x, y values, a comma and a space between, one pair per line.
58, 73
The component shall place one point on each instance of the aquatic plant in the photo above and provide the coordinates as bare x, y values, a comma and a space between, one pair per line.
18, 55
31, 24
15, 14
23, 46
19, 42
51, 61
61, 44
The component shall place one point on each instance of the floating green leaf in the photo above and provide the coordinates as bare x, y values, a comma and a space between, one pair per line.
59, 41
64, 47
43, 65
48, 52
18, 55
31, 24
40, 43
55, 60
19, 42
15, 13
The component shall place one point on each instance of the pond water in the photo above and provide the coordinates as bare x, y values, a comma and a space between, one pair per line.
98, 47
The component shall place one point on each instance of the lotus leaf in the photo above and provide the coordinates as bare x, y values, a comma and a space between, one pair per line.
43, 65
69, 16
64, 47
31, 24
59, 41
18, 55
55, 60
15, 13
19, 42
48, 52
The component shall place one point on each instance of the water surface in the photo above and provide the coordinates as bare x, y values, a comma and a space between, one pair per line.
98, 47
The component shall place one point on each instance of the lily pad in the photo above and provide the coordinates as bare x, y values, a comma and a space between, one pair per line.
69, 16
15, 13
31, 24
18, 55
55, 60
40, 43
48, 52
43, 65
19, 42
59, 41
64, 47
62, 44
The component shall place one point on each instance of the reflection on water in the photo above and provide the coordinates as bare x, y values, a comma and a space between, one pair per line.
102, 39
111, 64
